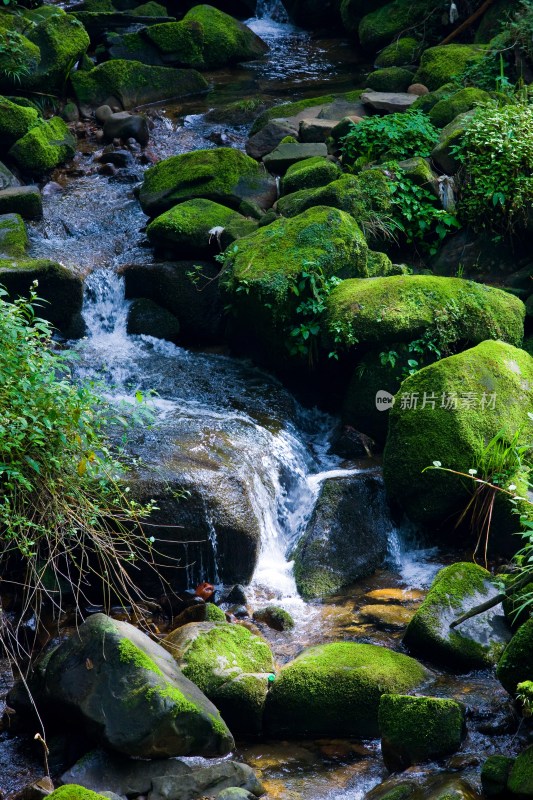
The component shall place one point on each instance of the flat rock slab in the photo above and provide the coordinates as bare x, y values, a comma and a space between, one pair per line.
316, 130
285, 155
269, 137
341, 108
388, 101
161, 779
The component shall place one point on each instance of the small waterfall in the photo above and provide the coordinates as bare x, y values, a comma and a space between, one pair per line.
271, 9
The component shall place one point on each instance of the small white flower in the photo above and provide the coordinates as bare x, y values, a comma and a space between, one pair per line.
437, 464
472, 471
512, 487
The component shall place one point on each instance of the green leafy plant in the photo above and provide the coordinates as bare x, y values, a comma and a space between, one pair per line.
396, 136
68, 525
496, 153
311, 288
13, 65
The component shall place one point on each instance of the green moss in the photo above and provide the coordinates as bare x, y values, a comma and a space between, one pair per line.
417, 729
464, 100
180, 704
19, 60
428, 101
13, 236
405, 307
225, 40
15, 122
494, 775
291, 109
335, 689
439, 65
499, 378
380, 27
419, 171
218, 175
520, 782
187, 227
380, 265
131, 654
94, 6
182, 42
353, 10
214, 614
450, 136
455, 588
44, 147
74, 792
23, 200
275, 617
62, 41
310, 174
516, 663
133, 83
390, 79
150, 9
401, 52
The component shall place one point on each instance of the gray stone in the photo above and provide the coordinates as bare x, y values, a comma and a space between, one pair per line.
316, 130
123, 125
7, 179
341, 108
388, 101
23, 200
280, 159
269, 137
450, 136
346, 537
234, 793
130, 695
163, 779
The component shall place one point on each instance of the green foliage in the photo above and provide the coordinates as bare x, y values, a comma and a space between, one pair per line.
312, 288
396, 136
496, 152
13, 57
66, 519
520, 29
416, 212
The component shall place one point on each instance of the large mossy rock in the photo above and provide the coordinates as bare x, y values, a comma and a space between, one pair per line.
439, 65
23, 200
61, 289
346, 537
520, 781
310, 174
19, 58
477, 394
474, 644
62, 41
44, 147
516, 663
206, 38
495, 774
134, 699
72, 791
230, 665
352, 11
443, 153
357, 195
13, 236
402, 52
224, 175
418, 729
405, 307
260, 271
131, 84
335, 689
447, 109
193, 228
381, 26
15, 121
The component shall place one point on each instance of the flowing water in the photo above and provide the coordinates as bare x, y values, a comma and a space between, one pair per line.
94, 225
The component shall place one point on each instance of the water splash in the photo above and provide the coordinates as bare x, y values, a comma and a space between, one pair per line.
271, 9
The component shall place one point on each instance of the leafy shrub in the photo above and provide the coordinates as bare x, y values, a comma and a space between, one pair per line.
394, 137
67, 524
496, 151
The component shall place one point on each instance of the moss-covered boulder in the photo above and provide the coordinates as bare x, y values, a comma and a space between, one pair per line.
390, 79
477, 394
230, 665
475, 643
193, 228
274, 617
71, 791
206, 38
62, 41
406, 307
516, 663
380, 27
131, 84
150, 9
44, 147
400, 53
352, 12
13, 236
261, 270
439, 65
19, 60
446, 110
335, 689
495, 774
15, 121
418, 729
61, 289
520, 781
134, 699
23, 200
346, 537
450, 136
224, 175
287, 110
310, 174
